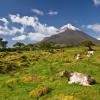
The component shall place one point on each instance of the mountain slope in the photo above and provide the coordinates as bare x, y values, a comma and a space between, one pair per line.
70, 35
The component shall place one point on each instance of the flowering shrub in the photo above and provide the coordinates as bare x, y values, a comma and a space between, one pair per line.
10, 82
26, 78
30, 78
39, 91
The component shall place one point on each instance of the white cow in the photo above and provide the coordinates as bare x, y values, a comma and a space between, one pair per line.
78, 78
90, 53
78, 56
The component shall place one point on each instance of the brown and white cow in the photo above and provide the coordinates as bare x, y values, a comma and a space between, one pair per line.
78, 78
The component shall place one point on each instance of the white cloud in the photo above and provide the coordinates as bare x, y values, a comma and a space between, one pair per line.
4, 20
35, 36
37, 11
96, 2
38, 32
4, 30
94, 27
19, 38
52, 13
25, 20
98, 38
44, 29
15, 30
34, 22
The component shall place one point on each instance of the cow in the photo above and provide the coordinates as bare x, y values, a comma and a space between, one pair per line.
90, 53
78, 56
78, 78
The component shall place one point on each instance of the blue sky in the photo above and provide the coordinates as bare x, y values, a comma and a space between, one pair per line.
30, 21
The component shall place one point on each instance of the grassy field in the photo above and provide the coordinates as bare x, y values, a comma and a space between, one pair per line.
36, 75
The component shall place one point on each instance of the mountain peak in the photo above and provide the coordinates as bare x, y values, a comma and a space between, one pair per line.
70, 35
68, 26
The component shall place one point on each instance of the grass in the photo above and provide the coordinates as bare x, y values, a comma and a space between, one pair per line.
46, 67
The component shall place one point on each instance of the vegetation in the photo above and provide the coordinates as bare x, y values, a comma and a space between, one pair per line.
39, 91
88, 44
19, 45
34, 75
46, 45
32, 72
3, 43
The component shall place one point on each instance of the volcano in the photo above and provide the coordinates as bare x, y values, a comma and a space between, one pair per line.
70, 35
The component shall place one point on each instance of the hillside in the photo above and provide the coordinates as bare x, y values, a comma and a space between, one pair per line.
39, 69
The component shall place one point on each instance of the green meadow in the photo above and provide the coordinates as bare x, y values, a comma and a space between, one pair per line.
34, 75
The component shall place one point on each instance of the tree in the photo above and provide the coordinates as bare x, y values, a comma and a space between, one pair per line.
19, 45
46, 45
31, 47
88, 44
3, 44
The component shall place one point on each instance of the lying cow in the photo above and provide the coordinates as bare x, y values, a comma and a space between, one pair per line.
78, 78
90, 53
78, 56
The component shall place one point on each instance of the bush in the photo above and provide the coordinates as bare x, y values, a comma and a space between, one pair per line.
8, 67
11, 67
39, 91
24, 58
11, 82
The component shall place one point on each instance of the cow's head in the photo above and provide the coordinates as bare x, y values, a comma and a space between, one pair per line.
65, 73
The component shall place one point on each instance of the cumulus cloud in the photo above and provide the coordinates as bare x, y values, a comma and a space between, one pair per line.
35, 36
94, 27
38, 32
19, 38
98, 38
37, 11
52, 13
25, 20
96, 2
4, 20
34, 23
15, 30
4, 30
